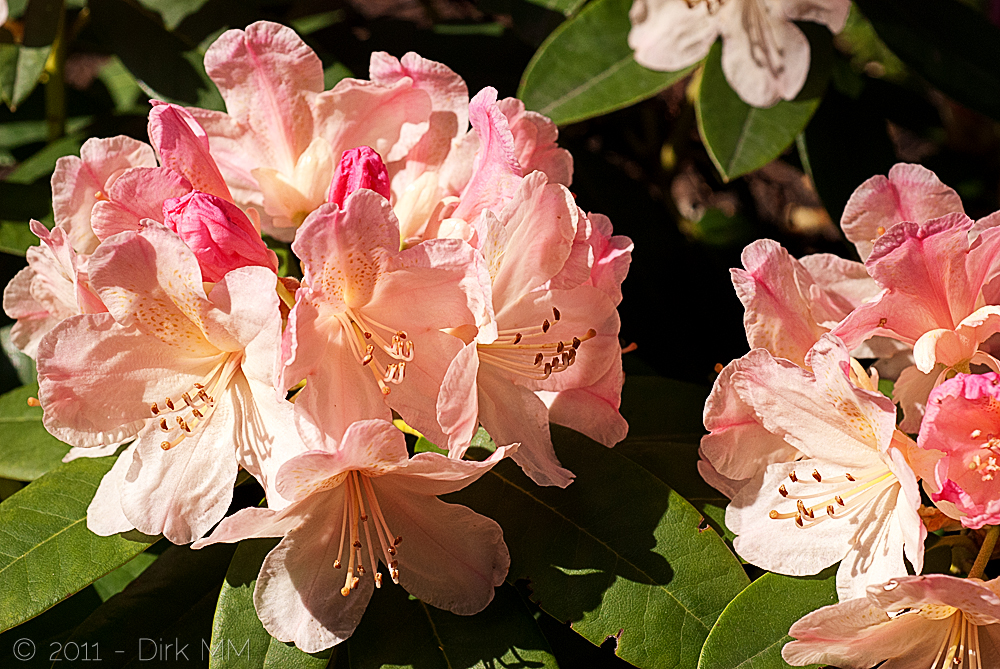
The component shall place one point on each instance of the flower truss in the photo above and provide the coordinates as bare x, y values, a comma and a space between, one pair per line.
818, 464
448, 279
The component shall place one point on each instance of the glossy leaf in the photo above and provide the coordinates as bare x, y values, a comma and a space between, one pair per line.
16, 237
585, 67
752, 630
236, 619
27, 451
741, 138
41, 165
22, 364
503, 635
951, 44
182, 585
20, 69
46, 551
618, 553
110, 585
565, 7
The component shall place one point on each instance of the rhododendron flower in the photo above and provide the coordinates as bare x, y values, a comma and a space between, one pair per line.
555, 334
933, 621
358, 168
933, 276
364, 502
366, 328
853, 497
765, 57
188, 373
963, 422
53, 287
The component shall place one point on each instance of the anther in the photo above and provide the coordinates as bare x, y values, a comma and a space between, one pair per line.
840, 500
819, 479
782, 491
378, 580
367, 359
187, 399
364, 518
546, 325
163, 425
829, 510
391, 550
368, 335
555, 313
354, 583
517, 337
203, 396
336, 564
361, 569
357, 544
396, 542
170, 404
538, 358
197, 414
560, 347
400, 334
849, 477
576, 343
798, 520
548, 369
155, 409
792, 476
882, 322
181, 424
975, 433
198, 386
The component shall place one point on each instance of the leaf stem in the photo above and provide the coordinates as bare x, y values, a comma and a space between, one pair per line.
985, 551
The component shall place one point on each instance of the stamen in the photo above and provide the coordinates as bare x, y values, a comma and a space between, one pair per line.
819, 479
792, 476
155, 409
555, 314
782, 490
170, 404
517, 337
546, 325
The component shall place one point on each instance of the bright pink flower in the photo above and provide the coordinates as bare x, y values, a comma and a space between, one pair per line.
963, 421
53, 287
933, 276
358, 168
363, 503
80, 183
911, 621
189, 374
366, 328
910, 193
219, 233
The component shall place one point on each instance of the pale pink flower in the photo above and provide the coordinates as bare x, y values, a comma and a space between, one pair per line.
78, 183
53, 287
932, 275
363, 503
853, 497
910, 193
366, 328
908, 622
187, 373
962, 421
556, 334
765, 57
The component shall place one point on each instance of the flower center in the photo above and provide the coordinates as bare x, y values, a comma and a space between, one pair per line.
180, 417
531, 352
850, 493
357, 486
960, 648
366, 336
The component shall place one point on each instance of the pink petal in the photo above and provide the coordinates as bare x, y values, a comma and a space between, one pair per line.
971, 596
182, 145
535, 143
668, 35
457, 401
104, 515
138, 194
591, 410
910, 193
358, 168
433, 474
447, 90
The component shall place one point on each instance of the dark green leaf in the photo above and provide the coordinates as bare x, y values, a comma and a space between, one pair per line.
46, 551
16, 237
28, 451
741, 138
48, 631
21, 202
42, 163
236, 620
503, 635
585, 68
955, 47
564, 7
110, 585
617, 553
752, 630
170, 602
20, 69
173, 11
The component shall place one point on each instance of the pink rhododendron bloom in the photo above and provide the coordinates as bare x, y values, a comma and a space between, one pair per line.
853, 497
363, 503
555, 334
188, 373
78, 183
366, 328
933, 275
283, 135
963, 422
765, 57
52, 288
358, 168
910, 193
933, 621
219, 233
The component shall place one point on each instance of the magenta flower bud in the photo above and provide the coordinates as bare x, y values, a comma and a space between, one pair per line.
219, 233
359, 168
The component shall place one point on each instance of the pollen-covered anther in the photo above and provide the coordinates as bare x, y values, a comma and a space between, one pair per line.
163, 425
517, 338
182, 424
546, 325
336, 564
782, 490
792, 476
849, 477
829, 510
378, 580
815, 475
154, 409
170, 404
538, 358
555, 314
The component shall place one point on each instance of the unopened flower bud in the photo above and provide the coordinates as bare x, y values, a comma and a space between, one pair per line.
222, 237
359, 168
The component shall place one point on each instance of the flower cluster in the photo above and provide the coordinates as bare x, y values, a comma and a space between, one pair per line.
809, 450
448, 280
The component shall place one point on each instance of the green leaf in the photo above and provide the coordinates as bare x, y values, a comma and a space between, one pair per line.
564, 7
741, 138
110, 585
16, 237
585, 67
752, 630
954, 46
28, 451
171, 601
236, 620
43, 163
46, 551
21, 65
617, 553
503, 635
21, 202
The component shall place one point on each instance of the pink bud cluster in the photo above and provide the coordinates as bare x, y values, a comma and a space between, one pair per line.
448, 279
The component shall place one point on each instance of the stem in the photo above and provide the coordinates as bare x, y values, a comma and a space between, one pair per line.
989, 543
